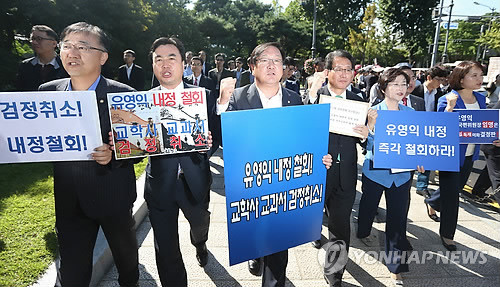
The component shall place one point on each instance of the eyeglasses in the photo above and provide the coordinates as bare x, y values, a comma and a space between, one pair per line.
199, 64
220, 60
83, 48
38, 39
398, 85
341, 70
275, 62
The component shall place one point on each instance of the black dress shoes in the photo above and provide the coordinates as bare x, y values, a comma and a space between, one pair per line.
450, 247
431, 216
316, 244
202, 255
254, 266
424, 192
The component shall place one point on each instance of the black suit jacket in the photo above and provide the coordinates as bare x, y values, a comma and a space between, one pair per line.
212, 74
360, 93
419, 92
245, 78
417, 103
346, 146
205, 82
161, 171
247, 98
100, 190
29, 75
136, 80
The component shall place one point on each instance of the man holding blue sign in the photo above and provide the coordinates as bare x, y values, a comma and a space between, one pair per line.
266, 62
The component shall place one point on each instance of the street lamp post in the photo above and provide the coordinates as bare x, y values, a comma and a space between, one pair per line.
489, 27
436, 36
445, 56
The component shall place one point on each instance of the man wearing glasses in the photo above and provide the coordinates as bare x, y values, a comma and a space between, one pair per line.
266, 63
96, 193
341, 178
45, 65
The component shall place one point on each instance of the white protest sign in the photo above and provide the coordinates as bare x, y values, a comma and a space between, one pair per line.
48, 126
345, 114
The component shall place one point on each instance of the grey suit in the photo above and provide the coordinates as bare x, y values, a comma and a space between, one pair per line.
247, 98
417, 103
88, 196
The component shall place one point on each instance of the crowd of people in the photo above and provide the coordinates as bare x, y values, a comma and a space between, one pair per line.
101, 193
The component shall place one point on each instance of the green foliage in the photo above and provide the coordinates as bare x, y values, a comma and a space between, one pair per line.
27, 239
492, 36
411, 20
28, 243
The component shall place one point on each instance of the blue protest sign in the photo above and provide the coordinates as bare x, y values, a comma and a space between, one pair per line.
478, 126
274, 178
405, 139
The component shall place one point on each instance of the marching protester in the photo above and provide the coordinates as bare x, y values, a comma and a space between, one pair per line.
266, 62
396, 186
464, 79
92, 194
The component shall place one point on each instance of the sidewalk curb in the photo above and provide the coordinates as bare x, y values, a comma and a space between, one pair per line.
103, 260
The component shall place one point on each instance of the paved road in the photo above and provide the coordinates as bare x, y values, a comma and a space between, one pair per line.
478, 231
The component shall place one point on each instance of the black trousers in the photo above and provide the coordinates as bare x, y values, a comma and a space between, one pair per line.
489, 177
164, 220
395, 226
445, 198
274, 274
77, 233
339, 203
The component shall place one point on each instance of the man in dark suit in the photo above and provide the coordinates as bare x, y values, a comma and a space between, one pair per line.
219, 72
45, 65
206, 65
266, 62
342, 177
429, 90
200, 80
180, 181
197, 78
98, 193
130, 73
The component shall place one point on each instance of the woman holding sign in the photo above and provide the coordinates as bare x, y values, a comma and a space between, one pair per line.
393, 84
464, 79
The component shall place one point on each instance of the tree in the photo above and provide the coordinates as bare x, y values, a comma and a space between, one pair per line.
492, 37
411, 20
363, 44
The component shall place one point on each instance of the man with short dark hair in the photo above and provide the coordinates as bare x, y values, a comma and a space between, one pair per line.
197, 78
219, 72
179, 181
342, 177
289, 80
93, 194
130, 73
45, 66
266, 62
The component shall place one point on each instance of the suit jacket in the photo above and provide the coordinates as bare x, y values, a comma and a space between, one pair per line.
247, 98
205, 82
136, 80
161, 171
346, 147
419, 92
29, 75
417, 103
100, 190
245, 78
383, 176
212, 74
360, 93
442, 103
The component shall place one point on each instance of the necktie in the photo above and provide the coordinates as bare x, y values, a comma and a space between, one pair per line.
337, 96
196, 81
405, 101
